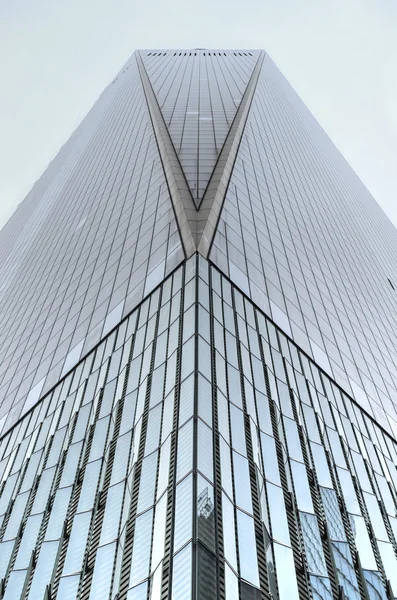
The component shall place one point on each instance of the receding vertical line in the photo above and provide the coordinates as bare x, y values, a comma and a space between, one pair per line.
98, 516
197, 198
219, 545
143, 212
292, 517
135, 485
213, 65
168, 560
152, 238
210, 103
313, 485
186, 105
223, 66
259, 541
182, 77
195, 434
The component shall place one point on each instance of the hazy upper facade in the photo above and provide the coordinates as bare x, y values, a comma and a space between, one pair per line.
296, 230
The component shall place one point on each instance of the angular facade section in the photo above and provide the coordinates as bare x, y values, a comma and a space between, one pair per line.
199, 93
301, 235
95, 235
197, 452
197, 354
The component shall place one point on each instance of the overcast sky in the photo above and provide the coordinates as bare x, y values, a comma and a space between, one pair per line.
57, 56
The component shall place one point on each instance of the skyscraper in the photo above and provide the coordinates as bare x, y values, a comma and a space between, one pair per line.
198, 352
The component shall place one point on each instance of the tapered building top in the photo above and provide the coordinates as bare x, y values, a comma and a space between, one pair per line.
198, 96
209, 151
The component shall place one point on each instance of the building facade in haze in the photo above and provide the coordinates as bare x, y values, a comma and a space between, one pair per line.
198, 350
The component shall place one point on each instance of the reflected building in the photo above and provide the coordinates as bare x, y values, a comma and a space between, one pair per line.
198, 352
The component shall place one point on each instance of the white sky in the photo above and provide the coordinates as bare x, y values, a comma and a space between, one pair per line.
57, 56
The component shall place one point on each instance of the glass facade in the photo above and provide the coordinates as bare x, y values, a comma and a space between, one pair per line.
189, 421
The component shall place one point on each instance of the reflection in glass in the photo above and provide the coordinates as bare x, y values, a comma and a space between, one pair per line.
204, 400
229, 533
375, 587
68, 587
321, 588
204, 450
183, 512
321, 465
206, 574
184, 455
159, 532
332, 514
186, 400
287, 586
375, 516
148, 482
102, 577
182, 575
58, 514
17, 511
15, 585
90, 483
141, 549
247, 548
242, 482
271, 571
389, 562
270, 458
77, 543
28, 542
6, 549
43, 572
346, 573
139, 592
349, 493
164, 468
226, 469
293, 441
205, 512
248, 592
363, 543
237, 427
231, 584
278, 517
111, 519
312, 542
301, 486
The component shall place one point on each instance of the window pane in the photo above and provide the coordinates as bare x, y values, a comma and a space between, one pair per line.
182, 575
141, 550
247, 548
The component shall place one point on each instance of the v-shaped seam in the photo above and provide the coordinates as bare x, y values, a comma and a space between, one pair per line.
197, 224
212, 202
181, 197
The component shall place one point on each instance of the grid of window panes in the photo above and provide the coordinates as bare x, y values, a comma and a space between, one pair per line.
199, 92
196, 448
301, 235
95, 235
